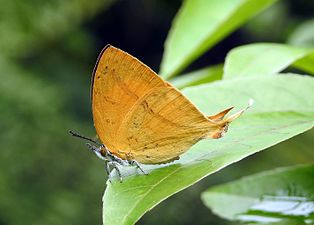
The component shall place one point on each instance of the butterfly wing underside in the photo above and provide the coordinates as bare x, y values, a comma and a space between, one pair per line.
139, 116
161, 126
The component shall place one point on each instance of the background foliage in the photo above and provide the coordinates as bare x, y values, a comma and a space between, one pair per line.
47, 54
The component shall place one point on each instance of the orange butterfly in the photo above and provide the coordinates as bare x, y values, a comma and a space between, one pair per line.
139, 117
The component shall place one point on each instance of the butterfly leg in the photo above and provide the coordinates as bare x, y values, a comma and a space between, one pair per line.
107, 168
115, 166
135, 163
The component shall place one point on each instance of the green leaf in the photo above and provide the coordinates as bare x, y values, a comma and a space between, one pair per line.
303, 35
279, 114
199, 25
268, 24
279, 196
201, 76
306, 64
265, 59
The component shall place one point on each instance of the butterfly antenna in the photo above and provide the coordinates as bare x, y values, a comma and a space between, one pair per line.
74, 134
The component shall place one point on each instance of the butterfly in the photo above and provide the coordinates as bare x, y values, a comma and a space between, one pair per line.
140, 118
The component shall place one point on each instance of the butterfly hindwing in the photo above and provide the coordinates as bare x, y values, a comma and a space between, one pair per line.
162, 126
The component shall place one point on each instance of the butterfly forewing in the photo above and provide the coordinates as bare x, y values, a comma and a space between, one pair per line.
137, 115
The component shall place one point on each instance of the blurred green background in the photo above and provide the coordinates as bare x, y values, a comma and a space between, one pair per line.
47, 53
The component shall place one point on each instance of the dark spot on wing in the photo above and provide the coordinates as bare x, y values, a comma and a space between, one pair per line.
104, 70
136, 125
146, 107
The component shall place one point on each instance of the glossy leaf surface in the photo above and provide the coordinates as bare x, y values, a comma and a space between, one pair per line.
279, 196
199, 25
